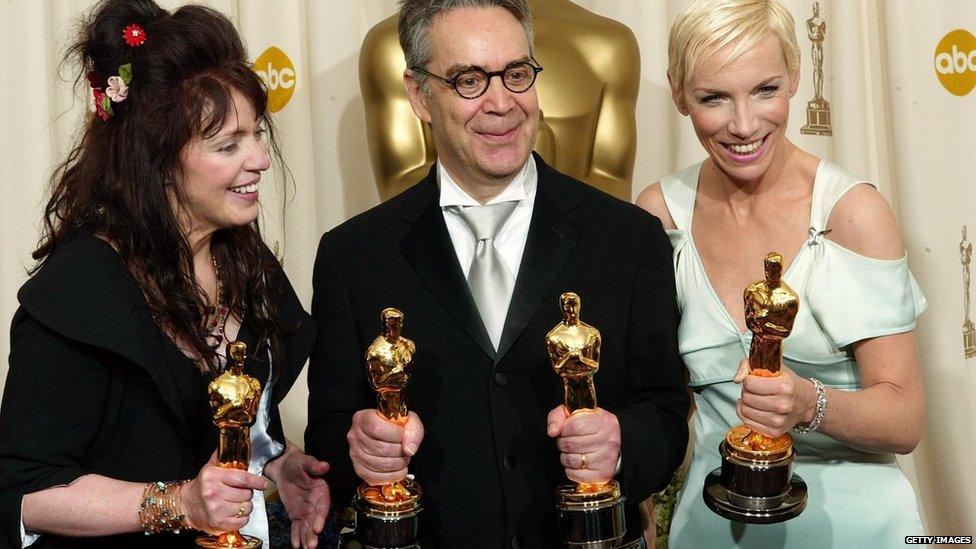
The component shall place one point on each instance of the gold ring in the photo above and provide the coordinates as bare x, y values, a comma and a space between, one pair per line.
582, 461
241, 511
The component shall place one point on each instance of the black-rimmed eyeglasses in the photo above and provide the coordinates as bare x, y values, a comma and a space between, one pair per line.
472, 83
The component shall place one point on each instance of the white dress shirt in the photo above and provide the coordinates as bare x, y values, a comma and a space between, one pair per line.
512, 235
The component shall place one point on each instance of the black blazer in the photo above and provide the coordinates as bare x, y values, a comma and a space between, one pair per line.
94, 386
486, 465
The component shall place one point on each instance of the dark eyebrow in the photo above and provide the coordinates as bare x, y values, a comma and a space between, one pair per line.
227, 134
237, 133
459, 68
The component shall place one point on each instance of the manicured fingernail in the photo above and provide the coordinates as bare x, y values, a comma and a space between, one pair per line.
410, 448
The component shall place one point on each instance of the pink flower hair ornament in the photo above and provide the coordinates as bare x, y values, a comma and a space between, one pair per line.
116, 92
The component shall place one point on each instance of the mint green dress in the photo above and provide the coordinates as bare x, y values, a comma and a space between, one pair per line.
856, 499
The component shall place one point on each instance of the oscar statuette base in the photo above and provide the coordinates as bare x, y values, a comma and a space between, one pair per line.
235, 541
755, 491
382, 525
818, 119
590, 521
969, 339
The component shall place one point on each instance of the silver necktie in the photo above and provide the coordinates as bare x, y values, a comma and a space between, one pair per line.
489, 279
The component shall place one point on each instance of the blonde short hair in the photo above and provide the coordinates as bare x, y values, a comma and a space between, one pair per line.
705, 27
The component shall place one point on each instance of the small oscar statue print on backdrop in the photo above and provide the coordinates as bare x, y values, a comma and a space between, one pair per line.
755, 483
590, 516
818, 109
968, 330
234, 398
387, 516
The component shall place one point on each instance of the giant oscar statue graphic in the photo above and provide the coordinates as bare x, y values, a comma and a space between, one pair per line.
234, 398
755, 483
387, 516
591, 516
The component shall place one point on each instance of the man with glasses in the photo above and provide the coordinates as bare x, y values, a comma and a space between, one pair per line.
476, 255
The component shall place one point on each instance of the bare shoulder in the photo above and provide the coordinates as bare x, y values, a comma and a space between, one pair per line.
863, 222
652, 200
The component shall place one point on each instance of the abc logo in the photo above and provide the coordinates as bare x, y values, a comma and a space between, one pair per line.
278, 73
955, 62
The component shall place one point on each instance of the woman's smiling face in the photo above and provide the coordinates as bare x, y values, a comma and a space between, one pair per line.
221, 173
740, 108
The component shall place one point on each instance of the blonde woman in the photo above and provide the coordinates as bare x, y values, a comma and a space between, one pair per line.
852, 384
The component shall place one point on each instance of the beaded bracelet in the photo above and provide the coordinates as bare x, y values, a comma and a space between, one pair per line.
160, 508
818, 414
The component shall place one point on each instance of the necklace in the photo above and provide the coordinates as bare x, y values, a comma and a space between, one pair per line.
218, 314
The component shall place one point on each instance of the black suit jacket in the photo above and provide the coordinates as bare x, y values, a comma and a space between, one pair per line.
94, 386
486, 465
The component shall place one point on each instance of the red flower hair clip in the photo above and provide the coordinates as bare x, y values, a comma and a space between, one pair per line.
134, 35
103, 105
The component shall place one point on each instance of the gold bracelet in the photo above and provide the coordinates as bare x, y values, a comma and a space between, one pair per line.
160, 508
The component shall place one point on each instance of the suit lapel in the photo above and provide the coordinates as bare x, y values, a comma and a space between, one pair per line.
549, 245
428, 249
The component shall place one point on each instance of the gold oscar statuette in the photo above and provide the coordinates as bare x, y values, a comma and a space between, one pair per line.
590, 516
234, 398
387, 516
755, 483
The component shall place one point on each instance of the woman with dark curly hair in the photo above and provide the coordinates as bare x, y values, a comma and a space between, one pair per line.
150, 263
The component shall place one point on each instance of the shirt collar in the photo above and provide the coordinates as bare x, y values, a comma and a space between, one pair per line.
521, 187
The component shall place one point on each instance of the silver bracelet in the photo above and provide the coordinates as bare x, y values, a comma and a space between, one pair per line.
818, 415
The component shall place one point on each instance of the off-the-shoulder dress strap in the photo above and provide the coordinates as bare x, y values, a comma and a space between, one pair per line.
679, 190
832, 182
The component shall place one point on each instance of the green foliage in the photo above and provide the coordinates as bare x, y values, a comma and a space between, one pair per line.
664, 502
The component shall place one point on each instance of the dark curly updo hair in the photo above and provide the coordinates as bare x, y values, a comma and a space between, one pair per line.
117, 182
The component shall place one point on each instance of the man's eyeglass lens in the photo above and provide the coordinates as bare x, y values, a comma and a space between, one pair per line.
474, 82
